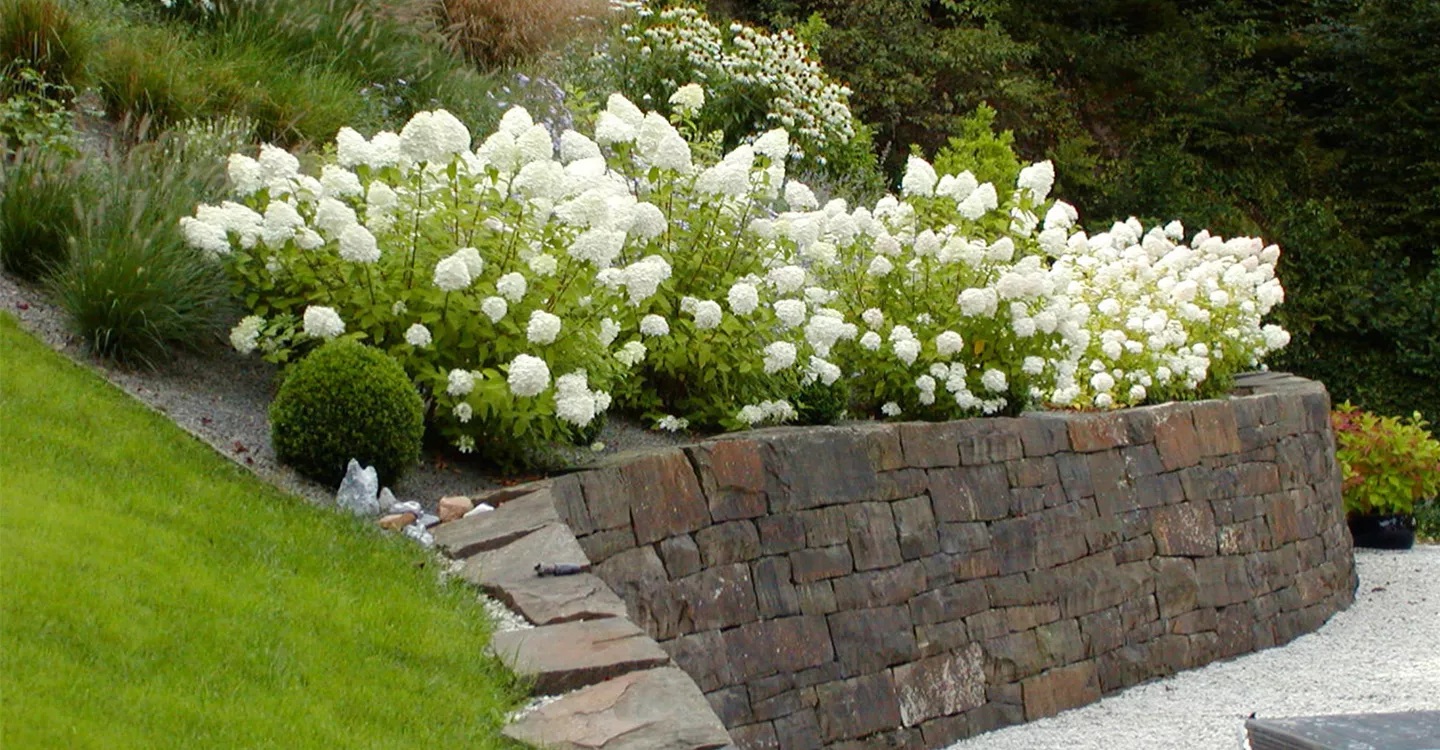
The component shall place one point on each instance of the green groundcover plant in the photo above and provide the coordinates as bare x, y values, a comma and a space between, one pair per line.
1389, 464
528, 284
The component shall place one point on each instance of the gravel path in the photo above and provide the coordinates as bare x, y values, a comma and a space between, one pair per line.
223, 398
1382, 654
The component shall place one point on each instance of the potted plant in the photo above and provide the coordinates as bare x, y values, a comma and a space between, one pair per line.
1388, 464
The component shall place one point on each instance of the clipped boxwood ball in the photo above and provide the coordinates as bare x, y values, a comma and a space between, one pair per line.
347, 400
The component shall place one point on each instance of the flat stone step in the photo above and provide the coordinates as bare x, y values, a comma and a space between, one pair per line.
1413, 730
657, 709
508, 574
496, 528
572, 655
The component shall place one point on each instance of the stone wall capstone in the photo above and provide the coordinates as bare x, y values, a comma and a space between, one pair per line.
910, 585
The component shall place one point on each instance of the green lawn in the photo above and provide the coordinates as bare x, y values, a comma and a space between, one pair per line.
155, 595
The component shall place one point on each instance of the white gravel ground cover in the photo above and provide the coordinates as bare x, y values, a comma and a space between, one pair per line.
1381, 655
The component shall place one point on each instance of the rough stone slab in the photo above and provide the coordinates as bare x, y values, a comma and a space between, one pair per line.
732, 476
639, 578
497, 528
786, 644
1412, 730
940, 686
1060, 689
928, 445
1187, 529
970, 493
495, 569
556, 599
1098, 432
657, 709
808, 468
995, 440
858, 707
561, 658
867, 640
665, 496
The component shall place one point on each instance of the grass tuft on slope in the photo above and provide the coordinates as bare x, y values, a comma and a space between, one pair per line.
154, 595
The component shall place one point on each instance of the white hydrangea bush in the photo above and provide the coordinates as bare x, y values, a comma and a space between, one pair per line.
529, 284
755, 79
981, 300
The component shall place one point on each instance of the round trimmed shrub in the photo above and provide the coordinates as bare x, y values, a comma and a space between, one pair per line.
347, 400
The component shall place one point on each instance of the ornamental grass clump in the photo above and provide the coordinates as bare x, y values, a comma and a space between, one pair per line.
347, 400
530, 283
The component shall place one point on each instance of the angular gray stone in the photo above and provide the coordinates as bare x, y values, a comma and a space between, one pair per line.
657, 709
497, 528
359, 490
561, 658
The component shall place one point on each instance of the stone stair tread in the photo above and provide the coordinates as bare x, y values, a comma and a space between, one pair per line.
1412, 730
551, 600
573, 655
516, 561
497, 528
655, 709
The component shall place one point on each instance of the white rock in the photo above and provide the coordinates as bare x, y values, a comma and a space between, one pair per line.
409, 506
359, 490
481, 508
387, 500
419, 533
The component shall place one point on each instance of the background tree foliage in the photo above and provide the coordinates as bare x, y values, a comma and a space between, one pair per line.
1313, 123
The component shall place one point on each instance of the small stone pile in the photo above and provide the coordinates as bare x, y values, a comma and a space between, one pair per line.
361, 494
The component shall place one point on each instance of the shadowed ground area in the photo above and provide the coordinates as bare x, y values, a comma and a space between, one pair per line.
156, 595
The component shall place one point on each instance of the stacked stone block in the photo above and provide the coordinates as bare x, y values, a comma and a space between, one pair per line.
908, 585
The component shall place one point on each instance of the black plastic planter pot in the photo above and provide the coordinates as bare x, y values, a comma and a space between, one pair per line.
1383, 532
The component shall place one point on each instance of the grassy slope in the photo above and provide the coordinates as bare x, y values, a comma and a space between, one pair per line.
155, 595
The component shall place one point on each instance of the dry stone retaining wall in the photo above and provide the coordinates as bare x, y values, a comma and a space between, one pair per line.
908, 585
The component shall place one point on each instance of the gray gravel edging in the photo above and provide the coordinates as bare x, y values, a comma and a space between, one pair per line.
1380, 655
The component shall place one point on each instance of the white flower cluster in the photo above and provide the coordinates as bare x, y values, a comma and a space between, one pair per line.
800, 97
524, 259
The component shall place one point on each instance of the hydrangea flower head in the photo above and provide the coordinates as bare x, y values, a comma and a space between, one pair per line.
529, 376
322, 322
418, 336
543, 329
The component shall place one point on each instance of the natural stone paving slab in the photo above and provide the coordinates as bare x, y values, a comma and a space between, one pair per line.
509, 574
497, 528
572, 655
557, 599
1414, 730
657, 709
515, 562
